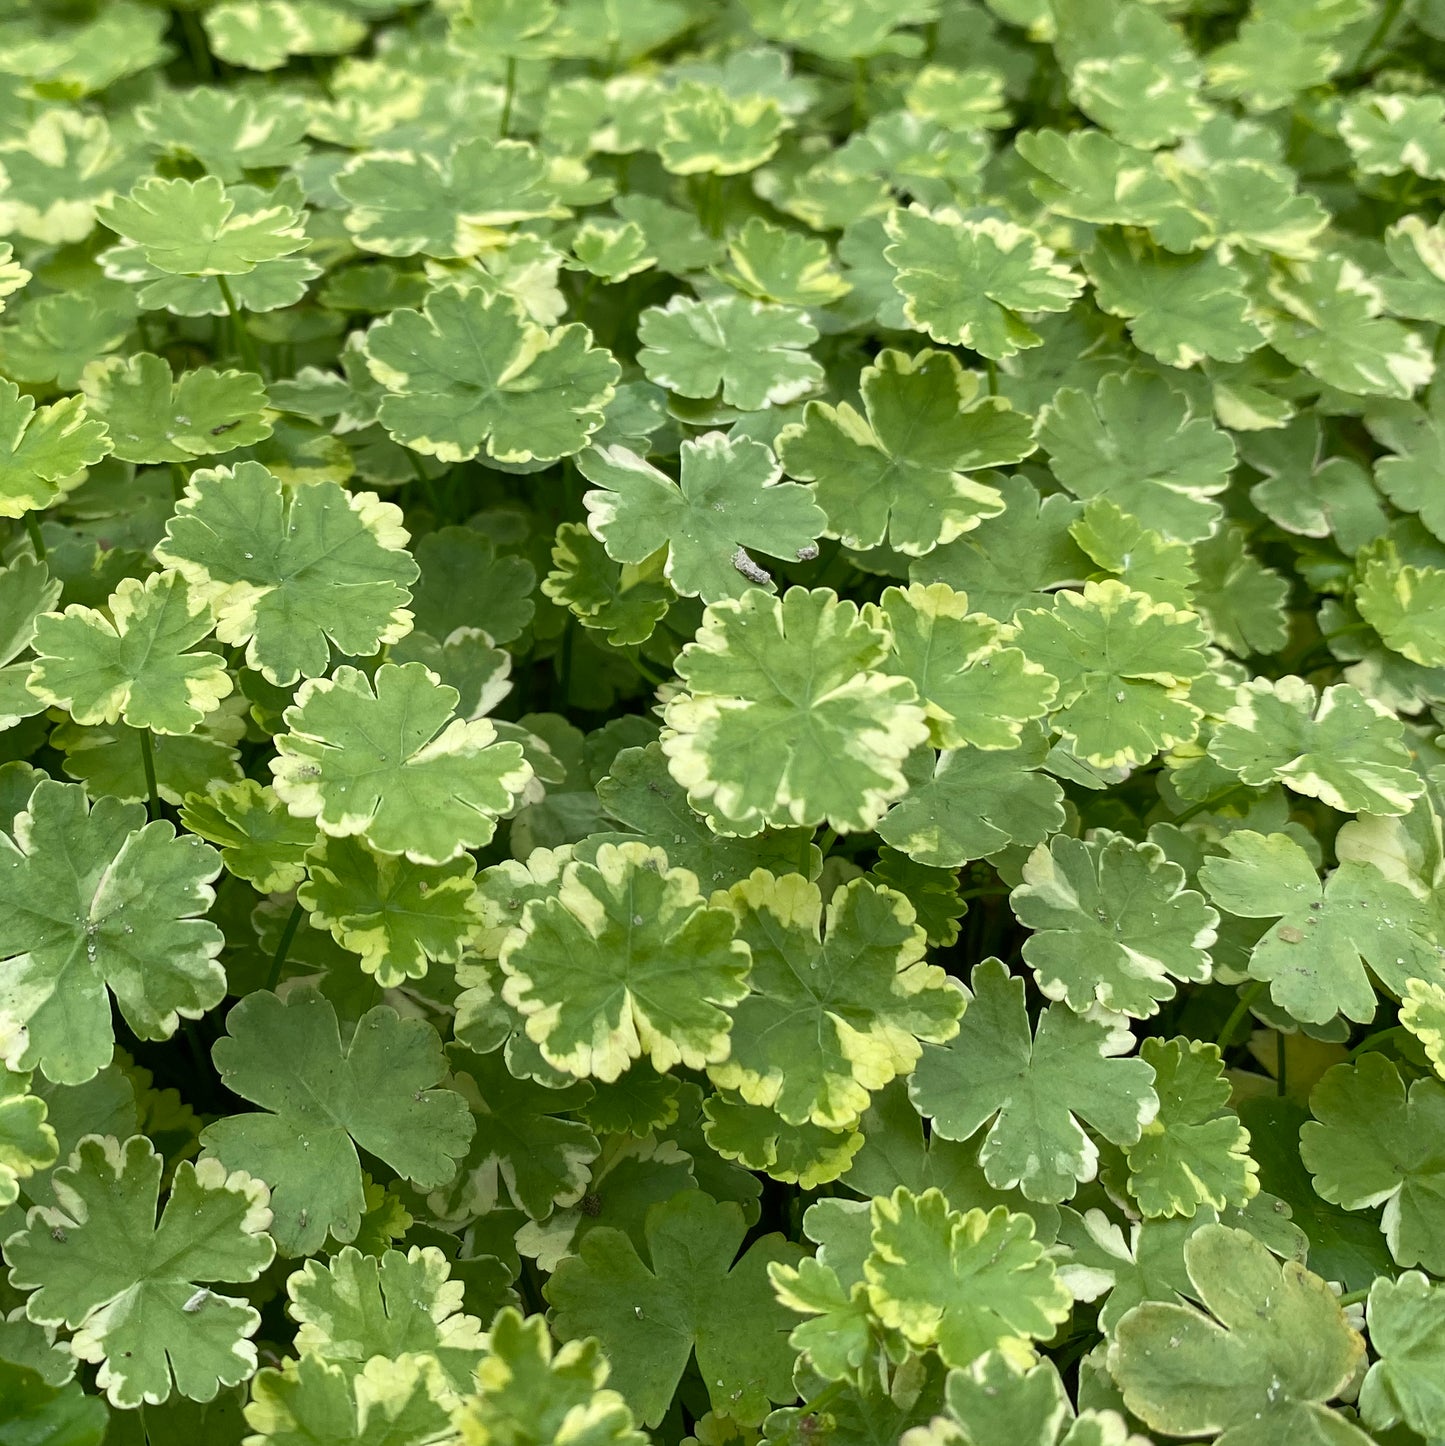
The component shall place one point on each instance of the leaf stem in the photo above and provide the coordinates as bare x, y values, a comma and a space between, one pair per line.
1206, 804
278, 962
245, 347
1355, 1297
196, 44
1281, 1063
830, 837
992, 376
1388, 15
509, 94
823, 1399
1378, 1037
148, 762
37, 539
1246, 999
860, 92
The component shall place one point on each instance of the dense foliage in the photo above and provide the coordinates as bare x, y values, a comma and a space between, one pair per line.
720, 721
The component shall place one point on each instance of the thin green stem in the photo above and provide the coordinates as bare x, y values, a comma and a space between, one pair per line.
245, 347
509, 94
37, 539
1236, 1017
148, 762
1207, 804
278, 961
990, 891
1355, 1297
860, 93
200, 52
830, 837
823, 1399
1378, 1037
1388, 16
1281, 1063
992, 376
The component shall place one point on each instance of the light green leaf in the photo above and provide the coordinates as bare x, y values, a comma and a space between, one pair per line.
1422, 1012
625, 958
900, 470
99, 1264
806, 669
782, 266
265, 34
1032, 1092
132, 661
1407, 1334
1113, 924
42, 449
386, 759
319, 1100
27, 1143
98, 901
258, 839
227, 131
706, 131
1404, 604
1389, 134
727, 504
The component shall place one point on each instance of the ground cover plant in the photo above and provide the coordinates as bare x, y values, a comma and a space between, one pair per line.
722, 722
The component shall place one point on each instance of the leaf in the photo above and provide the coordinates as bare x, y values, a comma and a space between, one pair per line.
397, 915
525, 1150
27, 1143
1139, 557
900, 471
1113, 924
470, 373
36, 1411
1371, 1143
974, 690
727, 504
970, 803
1422, 1012
264, 34
464, 583
99, 1264
97, 899
707, 131
1123, 662
320, 1099
195, 228
1137, 442
1405, 605
355, 1307
54, 338
760, 1139
622, 958
1392, 133
1338, 746
1180, 309
43, 448
1032, 1093
1241, 601
402, 202
805, 668
152, 418
693, 1296
753, 354
133, 661
965, 282
385, 760
228, 132
1407, 1333
967, 1283
830, 1016
1089, 176
782, 266
529, 1392
259, 841
1414, 434
1314, 957
1258, 1369
1194, 1153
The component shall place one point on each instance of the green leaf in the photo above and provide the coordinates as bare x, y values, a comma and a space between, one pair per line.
464, 583
195, 228
760, 1139
397, 915
387, 761
1123, 663
1180, 309
227, 131
35, 1411
1137, 442
99, 1264
1194, 1153
43, 449
320, 1099
1113, 924
830, 1016
1404, 604
402, 202
899, 472
727, 504
1032, 1093
774, 264
154, 419
1407, 1333
265, 34
692, 1297
358, 1306
1089, 176
1422, 1012
1241, 601
970, 803
623, 958
528, 1393
1389, 134
95, 900
806, 669
975, 691
1371, 1143
1314, 957
965, 1283
258, 839
1338, 746
706, 131
27, 1143
965, 282
54, 338
1139, 557
470, 372
132, 661
1258, 1369
753, 354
